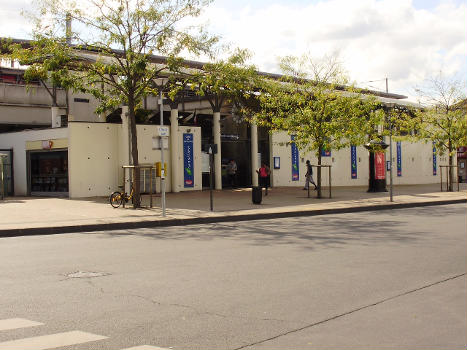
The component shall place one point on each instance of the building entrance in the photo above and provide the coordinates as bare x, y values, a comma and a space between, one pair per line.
48, 173
236, 145
7, 172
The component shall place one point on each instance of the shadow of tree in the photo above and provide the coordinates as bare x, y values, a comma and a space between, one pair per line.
312, 232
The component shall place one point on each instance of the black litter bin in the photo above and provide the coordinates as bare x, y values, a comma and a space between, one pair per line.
256, 195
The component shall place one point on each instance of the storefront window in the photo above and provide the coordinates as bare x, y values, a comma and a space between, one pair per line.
49, 172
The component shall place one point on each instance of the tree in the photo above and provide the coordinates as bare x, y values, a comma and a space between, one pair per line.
111, 58
314, 103
443, 122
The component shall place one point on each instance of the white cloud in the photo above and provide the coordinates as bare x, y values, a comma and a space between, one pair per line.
377, 39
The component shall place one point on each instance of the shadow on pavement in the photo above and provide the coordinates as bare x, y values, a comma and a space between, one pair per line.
330, 231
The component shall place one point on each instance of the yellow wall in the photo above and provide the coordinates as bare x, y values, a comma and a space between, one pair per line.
37, 145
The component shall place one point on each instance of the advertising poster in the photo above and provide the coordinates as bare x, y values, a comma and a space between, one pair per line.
353, 162
434, 159
188, 164
399, 158
295, 161
380, 166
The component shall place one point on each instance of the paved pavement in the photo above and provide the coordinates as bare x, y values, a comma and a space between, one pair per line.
34, 215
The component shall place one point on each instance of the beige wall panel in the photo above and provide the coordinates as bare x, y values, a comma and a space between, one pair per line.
84, 111
417, 164
93, 159
147, 155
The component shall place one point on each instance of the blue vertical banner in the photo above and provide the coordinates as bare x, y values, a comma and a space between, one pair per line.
353, 162
399, 158
188, 164
434, 159
295, 159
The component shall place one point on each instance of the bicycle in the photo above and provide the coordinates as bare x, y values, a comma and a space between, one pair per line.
116, 198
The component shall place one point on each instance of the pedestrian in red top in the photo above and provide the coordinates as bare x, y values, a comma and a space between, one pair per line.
264, 173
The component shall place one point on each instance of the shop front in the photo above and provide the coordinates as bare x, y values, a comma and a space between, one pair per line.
48, 172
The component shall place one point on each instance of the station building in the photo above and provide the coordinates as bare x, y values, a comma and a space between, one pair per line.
68, 150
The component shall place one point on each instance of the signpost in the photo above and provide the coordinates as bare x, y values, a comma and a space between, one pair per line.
212, 149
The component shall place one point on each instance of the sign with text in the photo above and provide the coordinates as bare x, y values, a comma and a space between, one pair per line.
295, 159
380, 166
162, 130
353, 162
188, 163
434, 159
399, 158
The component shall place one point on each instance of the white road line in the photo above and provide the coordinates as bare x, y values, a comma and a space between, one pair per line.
15, 323
146, 347
50, 341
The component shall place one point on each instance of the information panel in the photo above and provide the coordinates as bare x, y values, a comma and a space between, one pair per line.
399, 158
188, 164
380, 166
353, 162
295, 161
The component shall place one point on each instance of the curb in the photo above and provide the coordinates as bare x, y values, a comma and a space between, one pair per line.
34, 231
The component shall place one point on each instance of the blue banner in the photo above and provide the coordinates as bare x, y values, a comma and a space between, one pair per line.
399, 158
434, 159
295, 159
188, 164
325, 153
353, 161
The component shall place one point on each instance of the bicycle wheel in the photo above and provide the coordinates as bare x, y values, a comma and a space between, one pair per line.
116, 199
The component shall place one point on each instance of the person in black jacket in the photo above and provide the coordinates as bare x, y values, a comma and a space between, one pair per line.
309, 176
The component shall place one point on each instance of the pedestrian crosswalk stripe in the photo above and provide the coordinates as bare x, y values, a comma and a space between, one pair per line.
50, 341
15, 323
146, 347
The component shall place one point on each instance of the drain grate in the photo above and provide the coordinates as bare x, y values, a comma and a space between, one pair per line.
87, 274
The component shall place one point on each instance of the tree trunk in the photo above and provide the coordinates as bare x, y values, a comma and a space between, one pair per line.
450, 172
318, 179
134, 154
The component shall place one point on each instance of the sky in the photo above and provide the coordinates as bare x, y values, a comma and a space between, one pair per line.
406, 41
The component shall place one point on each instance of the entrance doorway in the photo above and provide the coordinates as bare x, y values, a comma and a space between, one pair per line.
8, 187
48, 173
236, 145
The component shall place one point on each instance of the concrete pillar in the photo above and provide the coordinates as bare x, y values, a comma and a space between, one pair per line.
216, 133
174, 150
126, 144
254, 154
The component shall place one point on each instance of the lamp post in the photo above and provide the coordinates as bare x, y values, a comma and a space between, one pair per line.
161, 102
390, 148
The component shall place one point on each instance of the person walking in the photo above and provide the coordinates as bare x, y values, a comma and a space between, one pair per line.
309, 176
264, 173
232, 172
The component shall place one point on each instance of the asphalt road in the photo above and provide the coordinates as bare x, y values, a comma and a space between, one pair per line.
386, 280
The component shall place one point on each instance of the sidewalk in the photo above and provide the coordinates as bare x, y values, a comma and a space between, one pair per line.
33, 215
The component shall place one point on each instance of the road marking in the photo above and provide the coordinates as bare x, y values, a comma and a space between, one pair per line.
145, 347
15, 323
50, 341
